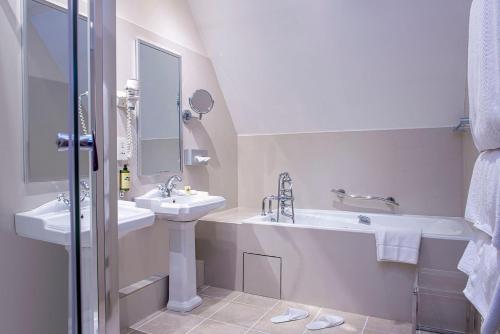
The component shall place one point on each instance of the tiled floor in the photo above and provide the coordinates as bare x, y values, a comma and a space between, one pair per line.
232, 312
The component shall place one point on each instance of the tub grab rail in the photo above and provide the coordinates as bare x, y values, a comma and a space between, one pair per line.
341, 193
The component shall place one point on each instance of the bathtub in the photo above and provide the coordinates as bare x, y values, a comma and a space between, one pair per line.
454, 228
328, 258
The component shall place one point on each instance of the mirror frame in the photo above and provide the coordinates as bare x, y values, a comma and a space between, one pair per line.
138, 43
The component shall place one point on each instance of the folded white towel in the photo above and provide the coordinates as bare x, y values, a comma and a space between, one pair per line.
398, 245
484, 73
483, 202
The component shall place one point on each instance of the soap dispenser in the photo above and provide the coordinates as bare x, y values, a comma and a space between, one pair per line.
124, 179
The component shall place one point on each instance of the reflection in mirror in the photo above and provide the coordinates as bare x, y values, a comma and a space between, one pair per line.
45, 89
159, 138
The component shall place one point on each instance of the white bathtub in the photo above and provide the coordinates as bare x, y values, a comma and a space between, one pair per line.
432, 227
328, 258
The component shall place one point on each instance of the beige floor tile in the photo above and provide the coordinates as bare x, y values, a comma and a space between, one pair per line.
208, 307
215, 327
212, 291
240, 314
170, 323
353, 323
255, 300
388, 326
371, 331
293, 327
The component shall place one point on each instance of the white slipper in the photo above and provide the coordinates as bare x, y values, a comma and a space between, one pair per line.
292, 314
325, 321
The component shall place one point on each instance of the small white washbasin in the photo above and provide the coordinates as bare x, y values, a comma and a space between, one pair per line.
181, 206
51, 222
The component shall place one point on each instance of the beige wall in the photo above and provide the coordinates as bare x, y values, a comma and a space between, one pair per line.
421, 168
333, 65
170, 19
33, 283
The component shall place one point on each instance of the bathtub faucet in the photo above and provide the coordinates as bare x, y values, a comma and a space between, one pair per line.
284, 198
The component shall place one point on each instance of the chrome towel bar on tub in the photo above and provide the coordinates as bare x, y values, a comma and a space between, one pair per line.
341, 193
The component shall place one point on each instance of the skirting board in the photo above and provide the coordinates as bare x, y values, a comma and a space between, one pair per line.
134, 287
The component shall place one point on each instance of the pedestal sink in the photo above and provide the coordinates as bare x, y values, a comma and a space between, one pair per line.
181, 212
51, 223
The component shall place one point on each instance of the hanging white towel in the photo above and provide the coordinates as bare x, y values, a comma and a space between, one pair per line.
484, 284
398, 245
484, 73
483, 202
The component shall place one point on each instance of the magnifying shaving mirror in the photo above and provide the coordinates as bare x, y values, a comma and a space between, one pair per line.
201, 102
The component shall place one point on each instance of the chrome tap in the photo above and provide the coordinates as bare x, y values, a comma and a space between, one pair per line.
84, 190
84, 193
284, 198
62, 197
166, 188
362, 219
270, 205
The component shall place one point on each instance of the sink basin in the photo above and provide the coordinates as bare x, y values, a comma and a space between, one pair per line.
181, 206
51, 222
181, 212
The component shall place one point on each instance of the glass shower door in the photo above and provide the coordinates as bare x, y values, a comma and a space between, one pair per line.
94, 271
81, 144
69, 91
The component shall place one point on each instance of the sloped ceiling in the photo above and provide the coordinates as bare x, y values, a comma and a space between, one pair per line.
326, 65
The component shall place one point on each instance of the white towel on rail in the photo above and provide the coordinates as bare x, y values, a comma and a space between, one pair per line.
483, 202
483, 286
398, 245
484, 73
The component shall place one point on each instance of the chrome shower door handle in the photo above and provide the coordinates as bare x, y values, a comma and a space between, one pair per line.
87, 143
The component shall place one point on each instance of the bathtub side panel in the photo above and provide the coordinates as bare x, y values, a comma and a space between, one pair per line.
351, 279
334, 269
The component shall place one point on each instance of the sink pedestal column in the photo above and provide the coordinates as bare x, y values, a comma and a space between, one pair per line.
182, 280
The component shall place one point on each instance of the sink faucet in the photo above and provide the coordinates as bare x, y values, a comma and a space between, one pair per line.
84, 193
166, 188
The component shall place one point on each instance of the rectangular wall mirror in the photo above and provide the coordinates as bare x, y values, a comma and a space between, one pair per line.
159, 115
45, 88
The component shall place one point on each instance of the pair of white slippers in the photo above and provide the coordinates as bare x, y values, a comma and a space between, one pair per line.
294, 314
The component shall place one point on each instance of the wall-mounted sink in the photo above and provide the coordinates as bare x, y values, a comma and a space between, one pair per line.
181, 212
180, 207
51, 222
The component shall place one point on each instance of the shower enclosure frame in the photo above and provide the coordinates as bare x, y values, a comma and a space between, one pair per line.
102, 82
102, 102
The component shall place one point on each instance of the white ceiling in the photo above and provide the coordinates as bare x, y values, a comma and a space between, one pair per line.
326, 65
